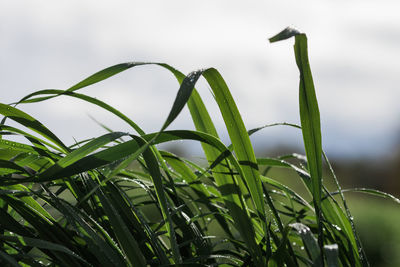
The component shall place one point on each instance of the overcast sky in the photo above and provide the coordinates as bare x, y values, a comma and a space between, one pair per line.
353, 48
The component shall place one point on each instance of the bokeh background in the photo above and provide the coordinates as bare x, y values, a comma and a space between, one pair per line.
354, 55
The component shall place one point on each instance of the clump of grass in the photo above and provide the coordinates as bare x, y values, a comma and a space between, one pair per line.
85, 205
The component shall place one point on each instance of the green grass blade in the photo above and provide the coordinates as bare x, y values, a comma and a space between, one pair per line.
227, 186
104, 74
154, 170
31, 123
332, 255
239, 138
41, 244
309, 241
127, 242
8, 167
88, 99
81, 152
310, 119
182, 97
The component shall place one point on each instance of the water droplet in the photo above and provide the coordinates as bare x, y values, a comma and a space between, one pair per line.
337, 227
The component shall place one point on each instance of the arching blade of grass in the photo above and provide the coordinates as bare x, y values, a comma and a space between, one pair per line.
31, 123
89, 99
39, 145
369, 191
95, 78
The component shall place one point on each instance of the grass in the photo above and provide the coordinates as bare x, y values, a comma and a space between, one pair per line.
117, 200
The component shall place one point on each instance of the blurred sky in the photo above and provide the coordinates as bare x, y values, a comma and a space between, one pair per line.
353, 49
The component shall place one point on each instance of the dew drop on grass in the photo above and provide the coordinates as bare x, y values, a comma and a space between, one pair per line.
302, 247
337, 227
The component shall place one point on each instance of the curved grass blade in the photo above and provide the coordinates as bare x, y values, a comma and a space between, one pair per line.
95, 78
89, 99
368, 191
31, 123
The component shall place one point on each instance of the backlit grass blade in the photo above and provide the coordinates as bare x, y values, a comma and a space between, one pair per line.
39, 146
31, 123
309, 117
89, 99
239, 138
182, 97
95, 78
104, 74
81, 152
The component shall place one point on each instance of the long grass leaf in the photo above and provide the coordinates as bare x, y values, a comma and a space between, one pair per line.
239, 138
31, 123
